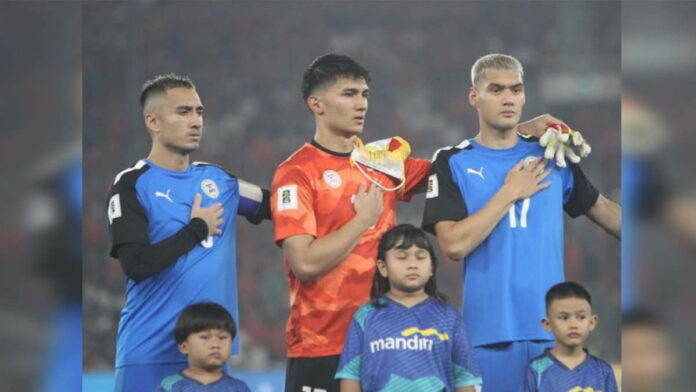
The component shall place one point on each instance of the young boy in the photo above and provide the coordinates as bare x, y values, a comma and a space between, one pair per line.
204, 333
408, 338
568, 366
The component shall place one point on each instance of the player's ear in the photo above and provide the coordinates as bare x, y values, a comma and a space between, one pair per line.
183, 347
315, 105
473, 96
152, 122
594, 319
382, 268
546, 324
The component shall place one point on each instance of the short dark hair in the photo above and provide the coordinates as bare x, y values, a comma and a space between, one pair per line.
200, 317
161, 83
404, 236
329, 67
567, 290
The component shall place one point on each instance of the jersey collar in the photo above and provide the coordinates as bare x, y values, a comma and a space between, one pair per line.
326, 150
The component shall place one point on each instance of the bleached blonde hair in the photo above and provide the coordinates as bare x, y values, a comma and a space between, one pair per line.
497, 61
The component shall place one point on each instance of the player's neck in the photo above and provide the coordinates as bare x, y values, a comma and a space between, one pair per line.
167, 159
203, 376
341, 143
571, 356
407, 299
496, 139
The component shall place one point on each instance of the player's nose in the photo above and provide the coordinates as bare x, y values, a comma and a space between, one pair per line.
361, 104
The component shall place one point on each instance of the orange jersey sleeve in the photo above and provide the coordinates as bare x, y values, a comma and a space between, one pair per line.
417, 171
292, 203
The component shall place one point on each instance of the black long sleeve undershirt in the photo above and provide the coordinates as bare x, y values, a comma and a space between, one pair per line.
141, 261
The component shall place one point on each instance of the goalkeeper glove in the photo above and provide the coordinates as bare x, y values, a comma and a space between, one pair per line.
560, 142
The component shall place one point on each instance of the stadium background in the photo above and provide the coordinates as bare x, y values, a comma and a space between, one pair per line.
247, 60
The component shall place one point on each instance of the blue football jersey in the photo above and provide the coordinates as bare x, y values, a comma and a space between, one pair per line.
181, 383
396, 348
545, 373
506, 277
148, 204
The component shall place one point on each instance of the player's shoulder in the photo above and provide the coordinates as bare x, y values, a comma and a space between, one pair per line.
540, 363
168, 383
127, 177
201, 165
445, 153
601, 363
528, 138
363, 312
236, 384
303, 161
304, 155
446, 308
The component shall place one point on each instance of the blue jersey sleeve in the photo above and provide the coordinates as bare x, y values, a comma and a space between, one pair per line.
610, 383
466, 370
529, 382
351, 358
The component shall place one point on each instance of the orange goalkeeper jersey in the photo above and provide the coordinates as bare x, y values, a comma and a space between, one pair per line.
312, 194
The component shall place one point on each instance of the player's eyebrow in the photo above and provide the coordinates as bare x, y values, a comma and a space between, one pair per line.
353, 90
188, 108
503, 86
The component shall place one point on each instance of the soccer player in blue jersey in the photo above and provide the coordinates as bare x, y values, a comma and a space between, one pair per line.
493, 202
408, 338
568, 367
173, 227
204, 333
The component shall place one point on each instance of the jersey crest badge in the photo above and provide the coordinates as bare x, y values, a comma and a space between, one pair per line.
529, 159
332, 178
210, 188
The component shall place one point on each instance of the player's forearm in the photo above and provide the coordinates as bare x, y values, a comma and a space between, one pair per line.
254, 202
466, 389
320, 255
461, 238
140, 261
537, 126
607, 215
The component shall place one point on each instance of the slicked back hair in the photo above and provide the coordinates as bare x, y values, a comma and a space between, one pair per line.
161, 83
496, 61
329, 67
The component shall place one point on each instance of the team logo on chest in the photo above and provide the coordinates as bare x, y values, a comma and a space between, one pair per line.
332, 178
210, 188
529, 160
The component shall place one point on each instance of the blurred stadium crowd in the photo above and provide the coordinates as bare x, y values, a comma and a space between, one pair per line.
247, 60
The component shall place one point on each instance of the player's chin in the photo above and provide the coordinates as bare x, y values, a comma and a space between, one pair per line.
411, 285
190, 147
356, 129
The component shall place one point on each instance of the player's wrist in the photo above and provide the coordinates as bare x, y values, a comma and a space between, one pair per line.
510, 193
365, 222
199, 227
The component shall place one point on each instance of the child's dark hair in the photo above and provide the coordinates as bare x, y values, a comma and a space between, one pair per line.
404, 236
567, 290
202, 316
327, 68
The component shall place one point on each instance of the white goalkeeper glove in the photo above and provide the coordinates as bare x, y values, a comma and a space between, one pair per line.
561, 142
